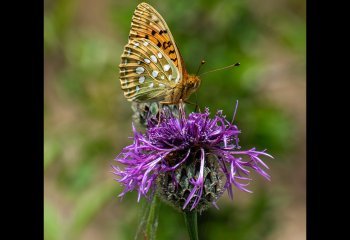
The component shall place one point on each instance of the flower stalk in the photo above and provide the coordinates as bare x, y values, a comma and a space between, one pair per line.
149, 220
191, 224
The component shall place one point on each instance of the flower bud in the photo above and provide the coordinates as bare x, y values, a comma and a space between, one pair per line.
174, 187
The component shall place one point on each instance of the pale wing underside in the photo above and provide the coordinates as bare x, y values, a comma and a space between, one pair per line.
148, 23
146, 73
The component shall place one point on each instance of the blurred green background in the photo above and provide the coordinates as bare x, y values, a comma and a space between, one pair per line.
88, 120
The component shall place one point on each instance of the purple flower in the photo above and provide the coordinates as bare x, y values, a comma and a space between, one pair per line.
196, 155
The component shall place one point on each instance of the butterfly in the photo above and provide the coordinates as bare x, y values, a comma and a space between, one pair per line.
152, 68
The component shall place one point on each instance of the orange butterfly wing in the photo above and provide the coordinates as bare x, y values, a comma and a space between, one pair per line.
148, 23
147, 74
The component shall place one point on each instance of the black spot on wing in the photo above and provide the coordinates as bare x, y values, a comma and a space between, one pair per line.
163, 31
166, 44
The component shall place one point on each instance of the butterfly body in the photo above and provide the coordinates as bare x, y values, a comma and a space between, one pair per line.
151, 68
189, 85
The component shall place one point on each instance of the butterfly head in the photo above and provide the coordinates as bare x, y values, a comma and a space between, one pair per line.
192, 84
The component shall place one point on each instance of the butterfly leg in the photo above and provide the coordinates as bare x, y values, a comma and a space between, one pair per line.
160, 111
196, 106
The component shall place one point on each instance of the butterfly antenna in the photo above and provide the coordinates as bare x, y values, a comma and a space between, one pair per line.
218, 69
200, 66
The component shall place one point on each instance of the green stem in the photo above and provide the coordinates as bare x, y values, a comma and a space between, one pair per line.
149, 220
152, 220
191, 224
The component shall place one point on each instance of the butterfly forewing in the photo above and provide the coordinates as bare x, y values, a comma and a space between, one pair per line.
152, 69
146, 73
147, 23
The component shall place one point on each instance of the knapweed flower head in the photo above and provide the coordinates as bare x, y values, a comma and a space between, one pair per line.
189, 161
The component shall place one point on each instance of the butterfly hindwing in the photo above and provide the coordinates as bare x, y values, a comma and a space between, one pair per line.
146, 73
147, 23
